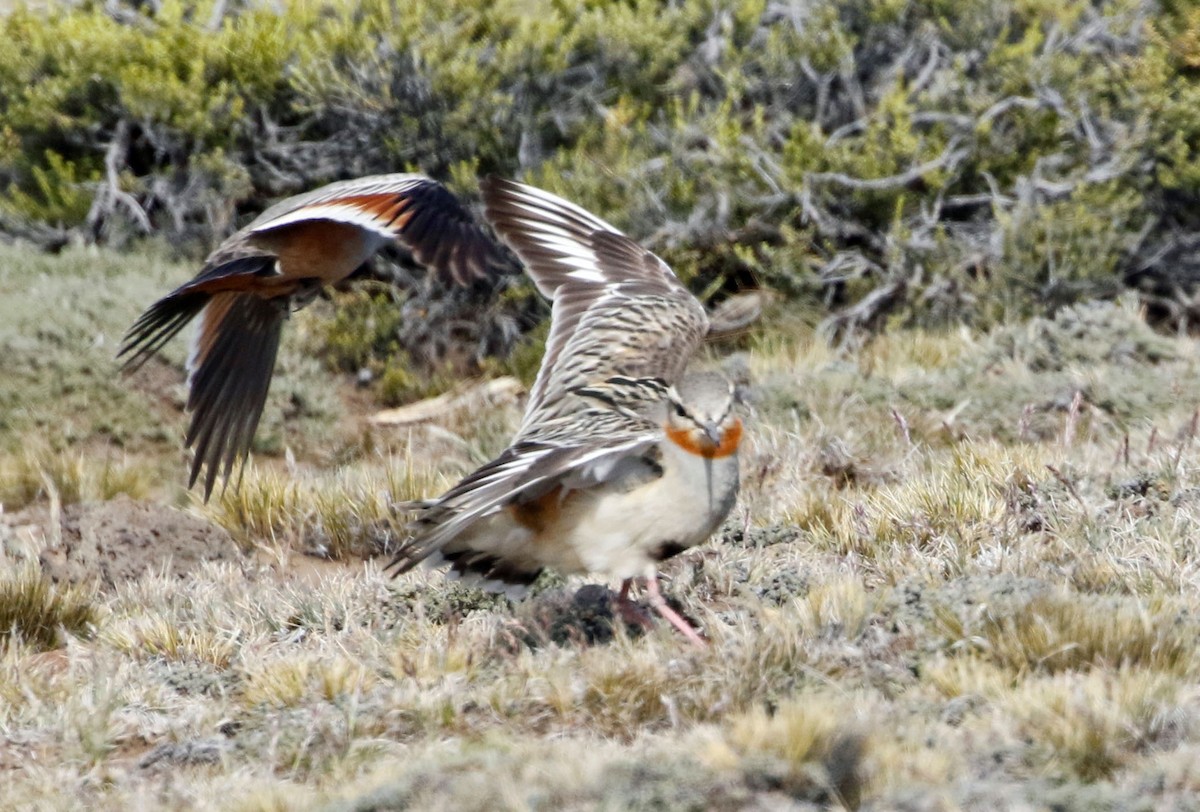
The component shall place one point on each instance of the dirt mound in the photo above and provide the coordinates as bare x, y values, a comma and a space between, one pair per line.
117, 541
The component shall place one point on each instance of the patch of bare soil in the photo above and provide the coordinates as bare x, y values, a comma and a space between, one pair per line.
161, 380
113, 542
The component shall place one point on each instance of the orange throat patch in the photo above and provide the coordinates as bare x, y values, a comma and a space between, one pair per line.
695, 442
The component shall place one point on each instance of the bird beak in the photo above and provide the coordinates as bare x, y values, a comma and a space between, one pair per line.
713, 432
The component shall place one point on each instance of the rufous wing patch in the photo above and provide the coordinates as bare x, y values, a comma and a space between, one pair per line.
538, 514
390, 209
210, 322
233, 283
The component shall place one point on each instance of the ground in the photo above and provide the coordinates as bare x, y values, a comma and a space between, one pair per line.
963, 573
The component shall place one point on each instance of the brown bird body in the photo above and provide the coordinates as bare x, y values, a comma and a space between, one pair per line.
279, 262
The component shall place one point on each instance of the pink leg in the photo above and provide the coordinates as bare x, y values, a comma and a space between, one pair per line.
660, 604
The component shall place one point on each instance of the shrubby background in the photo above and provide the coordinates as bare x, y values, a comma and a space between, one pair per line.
875, 161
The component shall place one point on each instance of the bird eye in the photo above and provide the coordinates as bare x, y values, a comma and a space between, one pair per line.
679, 410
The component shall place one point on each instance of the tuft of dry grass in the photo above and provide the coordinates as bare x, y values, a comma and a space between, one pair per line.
812, 750
38, 612
1088, 726
159, 637
355, 512
1065, 631
38, 473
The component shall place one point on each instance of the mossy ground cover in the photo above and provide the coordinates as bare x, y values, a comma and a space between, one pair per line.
962, 574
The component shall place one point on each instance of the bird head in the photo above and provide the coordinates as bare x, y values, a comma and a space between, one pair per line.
701, 417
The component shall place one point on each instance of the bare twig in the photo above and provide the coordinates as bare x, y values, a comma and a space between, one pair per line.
1071, 489
1186, 441
1023, 423
1072, 419
1004, 105
925, 76
110, 194
902, 424
949, 158
865, 311
848, 129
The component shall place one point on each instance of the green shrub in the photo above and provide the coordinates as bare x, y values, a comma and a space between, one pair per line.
881, 160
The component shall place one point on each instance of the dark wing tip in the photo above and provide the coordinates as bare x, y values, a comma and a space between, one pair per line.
481, 568
229, 387
158, 325
445, 236
403, 561
166, 317
471, 564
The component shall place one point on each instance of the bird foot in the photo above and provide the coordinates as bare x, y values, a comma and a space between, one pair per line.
633, 614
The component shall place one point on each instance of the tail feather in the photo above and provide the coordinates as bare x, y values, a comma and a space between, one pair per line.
488, 571
473, 568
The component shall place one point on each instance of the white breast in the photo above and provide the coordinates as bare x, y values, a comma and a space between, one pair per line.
622, 534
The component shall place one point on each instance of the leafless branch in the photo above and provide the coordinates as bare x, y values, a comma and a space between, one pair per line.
922, 79
110, 194
949, 158
864, 313
1004, 105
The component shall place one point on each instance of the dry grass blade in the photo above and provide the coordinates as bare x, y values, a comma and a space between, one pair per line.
38, 613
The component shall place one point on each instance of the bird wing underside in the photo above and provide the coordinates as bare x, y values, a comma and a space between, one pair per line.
166, 317
232, 359
416, 211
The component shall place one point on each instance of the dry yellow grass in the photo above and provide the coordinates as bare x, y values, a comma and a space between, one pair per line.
950, 583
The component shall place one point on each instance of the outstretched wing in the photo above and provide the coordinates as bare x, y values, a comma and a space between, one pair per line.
165, 318
228, 388
416, 211
247, 285
617, 309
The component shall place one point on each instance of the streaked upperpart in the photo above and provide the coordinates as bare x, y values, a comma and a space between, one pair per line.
612, 470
